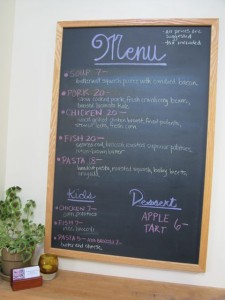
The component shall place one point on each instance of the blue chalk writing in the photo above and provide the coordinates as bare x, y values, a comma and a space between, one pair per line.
111, 50
139, 200
80, 196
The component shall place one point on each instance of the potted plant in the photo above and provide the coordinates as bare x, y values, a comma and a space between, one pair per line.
19, 235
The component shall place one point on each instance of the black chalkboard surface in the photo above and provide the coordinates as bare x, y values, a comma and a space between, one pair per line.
131, 144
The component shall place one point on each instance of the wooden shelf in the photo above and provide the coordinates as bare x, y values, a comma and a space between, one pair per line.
80, 286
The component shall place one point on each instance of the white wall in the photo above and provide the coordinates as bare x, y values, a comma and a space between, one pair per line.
30, 108
6, 40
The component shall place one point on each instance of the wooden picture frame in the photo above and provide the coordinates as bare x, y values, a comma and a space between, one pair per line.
176, 35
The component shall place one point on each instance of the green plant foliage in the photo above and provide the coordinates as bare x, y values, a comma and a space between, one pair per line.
18, 232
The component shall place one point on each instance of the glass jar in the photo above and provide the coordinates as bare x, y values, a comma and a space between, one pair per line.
48, 264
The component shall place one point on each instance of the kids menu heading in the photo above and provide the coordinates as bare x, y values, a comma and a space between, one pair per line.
131, 141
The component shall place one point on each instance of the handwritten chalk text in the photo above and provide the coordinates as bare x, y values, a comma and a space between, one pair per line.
111, 48
138, 200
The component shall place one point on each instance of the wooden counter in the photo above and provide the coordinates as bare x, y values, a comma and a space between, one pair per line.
80, 286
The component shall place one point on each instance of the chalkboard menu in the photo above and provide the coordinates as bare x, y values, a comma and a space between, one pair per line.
130, 161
